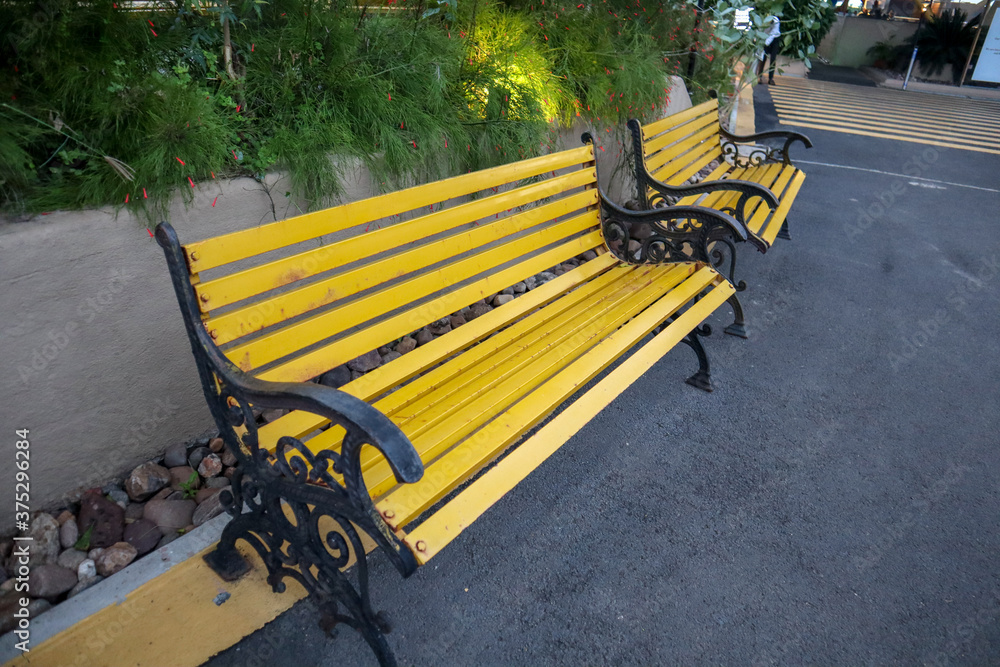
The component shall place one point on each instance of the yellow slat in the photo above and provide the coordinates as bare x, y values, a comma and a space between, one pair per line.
237, 286
272, 346
758, 216
667, 138
673, 120
476, 392
447, 523
374, 383
214, 252
690, 170
782, 211
313, 363
408, 500
695, 143
764, 175
262, 314
490, 393
432, 386
479, 377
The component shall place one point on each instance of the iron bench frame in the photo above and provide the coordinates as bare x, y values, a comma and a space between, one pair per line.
303, 481
730, 146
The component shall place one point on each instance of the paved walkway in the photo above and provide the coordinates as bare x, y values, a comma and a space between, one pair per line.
835, 501
949, 122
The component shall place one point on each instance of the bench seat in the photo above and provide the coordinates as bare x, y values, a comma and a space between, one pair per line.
755, 182
403, 453
782, 180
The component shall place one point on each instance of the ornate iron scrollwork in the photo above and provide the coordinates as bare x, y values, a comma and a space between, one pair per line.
748, 155
303, 512
739, 150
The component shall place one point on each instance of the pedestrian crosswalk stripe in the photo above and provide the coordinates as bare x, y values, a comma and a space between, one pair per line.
935, 120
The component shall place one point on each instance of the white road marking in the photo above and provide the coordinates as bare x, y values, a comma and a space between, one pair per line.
889, 173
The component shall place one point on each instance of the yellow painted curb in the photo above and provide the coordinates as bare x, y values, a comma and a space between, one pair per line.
172, 619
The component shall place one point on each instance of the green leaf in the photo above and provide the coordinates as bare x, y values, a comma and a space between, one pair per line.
83, 544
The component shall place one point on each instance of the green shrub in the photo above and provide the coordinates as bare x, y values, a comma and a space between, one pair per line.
102, 105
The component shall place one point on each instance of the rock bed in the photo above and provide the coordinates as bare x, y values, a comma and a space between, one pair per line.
77, 546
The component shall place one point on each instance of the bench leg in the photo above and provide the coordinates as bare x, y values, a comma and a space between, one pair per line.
311, 534
738, 327
703, 378
783, 232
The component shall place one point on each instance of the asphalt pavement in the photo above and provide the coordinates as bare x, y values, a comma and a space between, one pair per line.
835, 501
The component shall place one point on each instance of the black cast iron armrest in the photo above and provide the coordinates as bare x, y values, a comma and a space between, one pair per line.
680, 233
747, 189
343, 409
789, 137
225, 384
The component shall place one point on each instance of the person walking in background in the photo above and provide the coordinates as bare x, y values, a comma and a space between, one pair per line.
771, 47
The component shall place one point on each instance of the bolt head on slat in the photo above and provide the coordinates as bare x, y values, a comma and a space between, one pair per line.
388, 514
421, 546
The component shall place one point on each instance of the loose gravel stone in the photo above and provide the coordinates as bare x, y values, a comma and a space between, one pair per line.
196, 455
228, 458
391, 356
216, 445
167, 539
501, 299
336, 377
217, 483
44, 532
206, 493
425, 336
176, 455
115, 558
68, 534
406, 344
143, 535
63, 517
84, 585
86, 570
116, 495
366, 362
146, 480
441, 327
456, 321
133, 512
184, 475
210, 466
479, 309
544, 277
169, 515
104, 518
50, 581
211, 508
71, 559
520, 288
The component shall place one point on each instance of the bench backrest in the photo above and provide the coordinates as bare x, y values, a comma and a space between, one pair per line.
292, 299
677, 147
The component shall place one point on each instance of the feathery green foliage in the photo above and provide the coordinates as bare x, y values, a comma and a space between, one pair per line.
102, 104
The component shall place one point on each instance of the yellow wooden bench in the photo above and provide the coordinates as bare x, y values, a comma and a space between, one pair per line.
755, 183
271, 308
